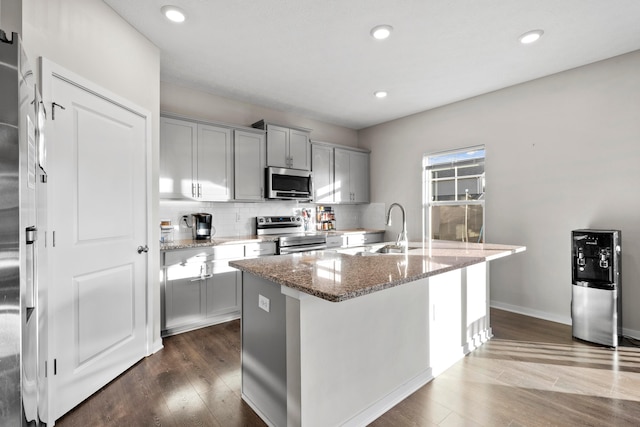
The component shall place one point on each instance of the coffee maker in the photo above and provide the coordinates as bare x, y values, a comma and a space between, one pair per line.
200, 225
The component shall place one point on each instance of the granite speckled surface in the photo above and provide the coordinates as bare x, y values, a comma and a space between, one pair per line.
215, 241
336, 276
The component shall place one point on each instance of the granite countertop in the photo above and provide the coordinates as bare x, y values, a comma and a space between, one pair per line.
238, 240
215, 241
344, 274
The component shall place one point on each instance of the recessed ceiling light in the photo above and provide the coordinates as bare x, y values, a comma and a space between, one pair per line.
381, 32
380, 94
530, 36
173, 13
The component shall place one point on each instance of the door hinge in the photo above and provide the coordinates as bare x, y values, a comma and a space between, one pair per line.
53, 109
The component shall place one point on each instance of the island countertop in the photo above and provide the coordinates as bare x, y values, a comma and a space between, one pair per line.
344, 274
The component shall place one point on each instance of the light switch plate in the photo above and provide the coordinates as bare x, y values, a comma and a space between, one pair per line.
263, 302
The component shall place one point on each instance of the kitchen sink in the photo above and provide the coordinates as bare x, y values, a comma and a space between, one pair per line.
386, 249
393, 249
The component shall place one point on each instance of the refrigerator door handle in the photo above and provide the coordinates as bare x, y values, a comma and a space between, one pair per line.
30, 292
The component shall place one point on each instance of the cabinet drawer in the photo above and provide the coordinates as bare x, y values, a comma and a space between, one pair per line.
364, 239
335, 241
183, 256
252, 250
373, 238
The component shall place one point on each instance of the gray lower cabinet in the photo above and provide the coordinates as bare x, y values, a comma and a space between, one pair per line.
193, 302
199, 287
183, 297
223, 294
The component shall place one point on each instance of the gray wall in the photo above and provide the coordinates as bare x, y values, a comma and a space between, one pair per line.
11, 16
202, 105
562, 153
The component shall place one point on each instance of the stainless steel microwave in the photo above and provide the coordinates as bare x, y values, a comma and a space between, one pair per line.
292, 184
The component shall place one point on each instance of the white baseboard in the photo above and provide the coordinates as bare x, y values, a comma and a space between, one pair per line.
156, 346
378, 408
565, 320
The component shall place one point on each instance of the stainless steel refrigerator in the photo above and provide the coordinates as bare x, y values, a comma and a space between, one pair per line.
596, 297
22, 243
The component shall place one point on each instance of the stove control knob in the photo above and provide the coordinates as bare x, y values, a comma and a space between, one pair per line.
260, 219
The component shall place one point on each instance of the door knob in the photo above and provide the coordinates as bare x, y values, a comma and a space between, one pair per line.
144, 248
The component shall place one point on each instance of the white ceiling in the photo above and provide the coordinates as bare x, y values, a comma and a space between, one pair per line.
316, 57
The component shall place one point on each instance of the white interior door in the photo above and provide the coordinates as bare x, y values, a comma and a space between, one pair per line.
98, 214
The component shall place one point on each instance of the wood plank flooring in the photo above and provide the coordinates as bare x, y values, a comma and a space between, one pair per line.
530, 374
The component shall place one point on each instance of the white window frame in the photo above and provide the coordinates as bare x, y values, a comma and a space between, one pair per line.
455, 164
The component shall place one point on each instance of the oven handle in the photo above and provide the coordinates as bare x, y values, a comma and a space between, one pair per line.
296, 249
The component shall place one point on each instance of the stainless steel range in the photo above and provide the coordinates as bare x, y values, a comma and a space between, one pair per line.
291, 235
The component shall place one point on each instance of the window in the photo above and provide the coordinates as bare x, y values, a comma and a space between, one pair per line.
454, 187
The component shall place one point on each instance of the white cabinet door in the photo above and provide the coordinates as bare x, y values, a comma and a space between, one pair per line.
342, 177
322, 167
249, 165
288, 148
213, 163
184, 293
299, 150
277, 146
359, 176
178, 142
351, 178
223, 294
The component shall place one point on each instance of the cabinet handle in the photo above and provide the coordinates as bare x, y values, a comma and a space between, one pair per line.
193, 189
201, 278
199, 190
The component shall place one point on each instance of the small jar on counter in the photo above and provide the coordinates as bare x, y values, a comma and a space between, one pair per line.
166, 231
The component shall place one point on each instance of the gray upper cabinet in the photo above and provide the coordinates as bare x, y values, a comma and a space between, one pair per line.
341, 175
351, 176
322, 166
249, 164
287, 147
178, 140
299, 150
195, 161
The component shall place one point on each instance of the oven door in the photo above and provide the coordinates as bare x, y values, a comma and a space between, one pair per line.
301, 243
302, 248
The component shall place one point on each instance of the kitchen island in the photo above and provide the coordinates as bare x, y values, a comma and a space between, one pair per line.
339, 337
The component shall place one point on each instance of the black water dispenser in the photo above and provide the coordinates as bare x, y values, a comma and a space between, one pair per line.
596, 303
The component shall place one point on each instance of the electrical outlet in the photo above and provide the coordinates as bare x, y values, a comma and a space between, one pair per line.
263, 302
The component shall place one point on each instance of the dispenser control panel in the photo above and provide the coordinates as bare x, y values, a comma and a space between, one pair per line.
595, 255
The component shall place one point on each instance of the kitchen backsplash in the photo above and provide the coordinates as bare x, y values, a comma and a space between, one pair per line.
238, 219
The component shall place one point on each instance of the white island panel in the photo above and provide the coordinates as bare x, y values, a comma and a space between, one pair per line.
357, 354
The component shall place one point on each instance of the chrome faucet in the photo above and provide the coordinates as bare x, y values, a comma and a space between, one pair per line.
402, 237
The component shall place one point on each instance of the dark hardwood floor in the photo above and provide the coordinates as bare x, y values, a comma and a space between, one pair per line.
530, 374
